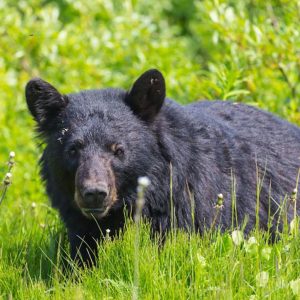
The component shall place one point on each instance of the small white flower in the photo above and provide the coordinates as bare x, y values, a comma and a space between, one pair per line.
220, 201
280, 283
7, 178
201, 260
262, 279
107, 236
237, 237
295, 286
12, 154
144, 181
252, 240
251, 245
266, 253
294, 224
8, 175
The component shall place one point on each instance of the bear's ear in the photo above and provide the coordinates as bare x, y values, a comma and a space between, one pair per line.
44, 101
147, 95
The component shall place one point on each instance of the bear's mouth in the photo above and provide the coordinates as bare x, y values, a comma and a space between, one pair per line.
90, 212
95, 212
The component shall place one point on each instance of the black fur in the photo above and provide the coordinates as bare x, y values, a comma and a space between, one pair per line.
206, 148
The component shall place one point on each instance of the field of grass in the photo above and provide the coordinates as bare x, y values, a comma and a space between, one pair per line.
239, 50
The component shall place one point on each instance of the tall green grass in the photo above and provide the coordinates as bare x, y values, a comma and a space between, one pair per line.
187, 267
215, 265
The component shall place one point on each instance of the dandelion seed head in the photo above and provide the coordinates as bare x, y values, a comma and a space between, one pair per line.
220, 196
144, 181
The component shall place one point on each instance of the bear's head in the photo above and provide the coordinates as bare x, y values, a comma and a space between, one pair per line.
98, 142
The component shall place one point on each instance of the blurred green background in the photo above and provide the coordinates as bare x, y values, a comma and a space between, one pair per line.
238, 50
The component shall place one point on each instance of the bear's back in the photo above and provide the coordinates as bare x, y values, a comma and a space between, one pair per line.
242, 122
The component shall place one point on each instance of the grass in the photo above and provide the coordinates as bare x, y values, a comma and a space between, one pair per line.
214, 266
241, 50
188, 267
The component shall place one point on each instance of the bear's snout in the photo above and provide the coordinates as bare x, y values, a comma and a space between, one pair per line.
95, 196
95, 190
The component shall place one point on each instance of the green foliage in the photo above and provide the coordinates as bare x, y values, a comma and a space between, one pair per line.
238, 50
251, 51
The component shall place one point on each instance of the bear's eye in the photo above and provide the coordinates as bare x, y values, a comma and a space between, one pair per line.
74, 148
72, 151
117, 149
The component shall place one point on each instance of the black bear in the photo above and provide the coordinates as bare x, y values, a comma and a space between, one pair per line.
99, 142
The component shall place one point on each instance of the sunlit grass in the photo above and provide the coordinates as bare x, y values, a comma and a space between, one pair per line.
187, 266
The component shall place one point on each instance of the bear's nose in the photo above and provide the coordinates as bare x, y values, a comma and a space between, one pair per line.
94, 197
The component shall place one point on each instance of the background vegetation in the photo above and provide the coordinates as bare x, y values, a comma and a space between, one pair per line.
238, 50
